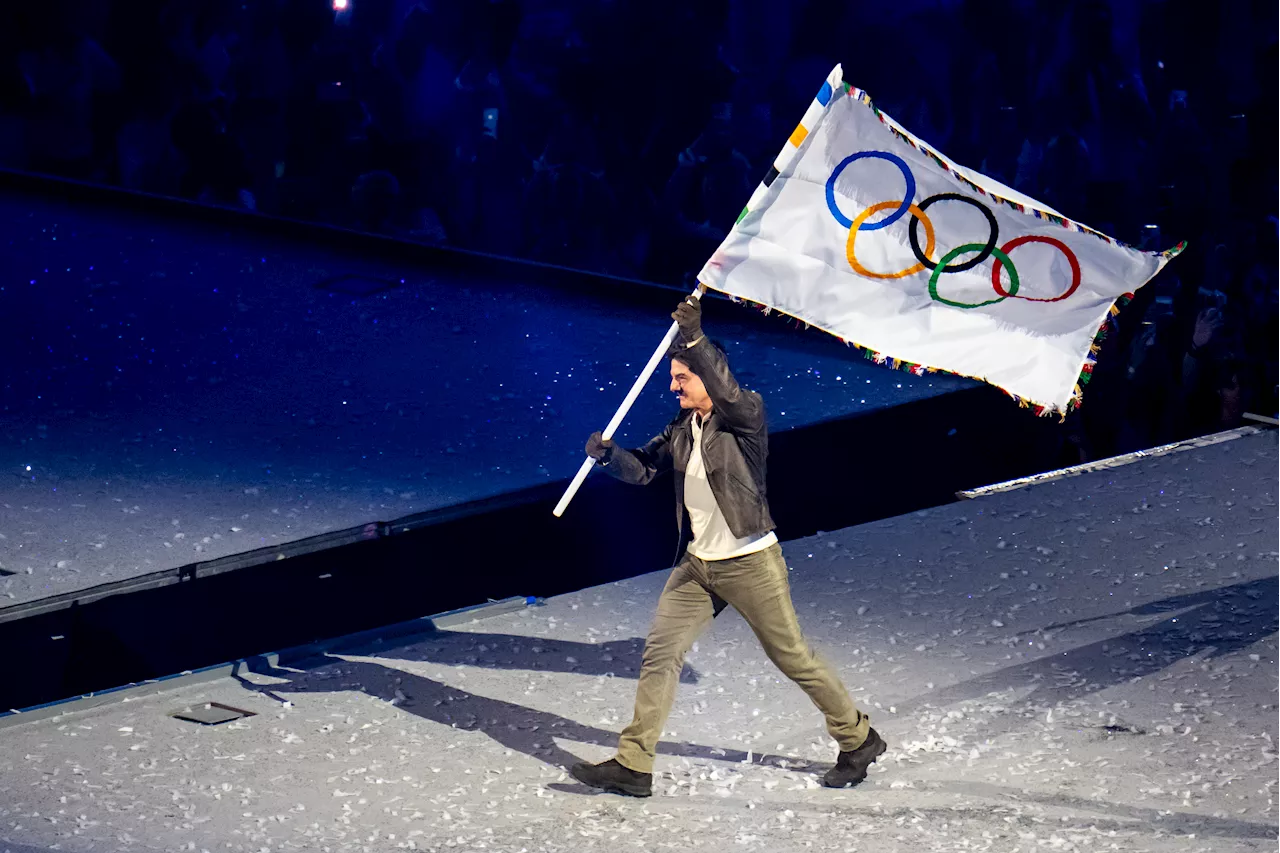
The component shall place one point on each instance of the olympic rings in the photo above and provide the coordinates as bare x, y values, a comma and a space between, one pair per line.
891, 218
917, 216
944, 265
923, 257
973, 247
1013, 276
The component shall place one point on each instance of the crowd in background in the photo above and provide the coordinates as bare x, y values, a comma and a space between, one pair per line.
623, 136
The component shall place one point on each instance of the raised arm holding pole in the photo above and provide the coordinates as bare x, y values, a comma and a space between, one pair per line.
619, 415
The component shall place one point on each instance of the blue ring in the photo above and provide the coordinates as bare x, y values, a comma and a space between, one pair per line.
891, 218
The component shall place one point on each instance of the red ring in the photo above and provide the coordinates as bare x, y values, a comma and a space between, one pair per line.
1035, 238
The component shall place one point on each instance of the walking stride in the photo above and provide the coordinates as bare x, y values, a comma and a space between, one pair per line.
717, 447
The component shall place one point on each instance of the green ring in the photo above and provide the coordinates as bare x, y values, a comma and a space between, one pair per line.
972, 247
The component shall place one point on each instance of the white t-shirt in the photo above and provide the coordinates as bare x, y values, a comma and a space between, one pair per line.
712, 538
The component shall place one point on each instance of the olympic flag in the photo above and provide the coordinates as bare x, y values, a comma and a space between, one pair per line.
867, 232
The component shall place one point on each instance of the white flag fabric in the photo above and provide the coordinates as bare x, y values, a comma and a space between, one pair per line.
867, 232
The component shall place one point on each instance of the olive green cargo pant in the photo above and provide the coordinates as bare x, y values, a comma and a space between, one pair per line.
757, 587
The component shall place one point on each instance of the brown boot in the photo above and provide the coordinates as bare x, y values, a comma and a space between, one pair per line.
851, 767
613, 777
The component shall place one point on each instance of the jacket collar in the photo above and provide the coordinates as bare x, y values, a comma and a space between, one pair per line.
710, 422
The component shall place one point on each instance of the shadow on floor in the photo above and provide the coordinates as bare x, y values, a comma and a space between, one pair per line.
1214, 622
618, 658
515, 726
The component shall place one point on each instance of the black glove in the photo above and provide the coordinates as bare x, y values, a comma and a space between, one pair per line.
689, 318
598, 448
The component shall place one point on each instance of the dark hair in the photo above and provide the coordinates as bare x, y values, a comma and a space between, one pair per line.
677, 350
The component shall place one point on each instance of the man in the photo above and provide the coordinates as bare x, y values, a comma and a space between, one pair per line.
717, 446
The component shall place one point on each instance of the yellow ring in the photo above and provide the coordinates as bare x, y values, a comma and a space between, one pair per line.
876, 208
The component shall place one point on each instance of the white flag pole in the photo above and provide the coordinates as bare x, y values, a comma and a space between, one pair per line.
616, 421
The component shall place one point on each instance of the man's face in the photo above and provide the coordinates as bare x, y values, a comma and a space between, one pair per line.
688, 387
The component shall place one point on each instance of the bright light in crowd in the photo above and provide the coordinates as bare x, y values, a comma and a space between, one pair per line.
340, 5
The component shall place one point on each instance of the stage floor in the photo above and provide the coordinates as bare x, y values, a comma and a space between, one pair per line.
1082, 665
175, 392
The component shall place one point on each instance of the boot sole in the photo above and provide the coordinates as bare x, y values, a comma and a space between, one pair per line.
612, 788
879, 752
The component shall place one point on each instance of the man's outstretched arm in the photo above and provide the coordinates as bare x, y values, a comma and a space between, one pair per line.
638, 466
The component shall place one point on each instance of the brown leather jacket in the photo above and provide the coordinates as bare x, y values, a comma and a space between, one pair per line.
735, 447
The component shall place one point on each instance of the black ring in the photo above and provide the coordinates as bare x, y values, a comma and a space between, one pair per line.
972, 262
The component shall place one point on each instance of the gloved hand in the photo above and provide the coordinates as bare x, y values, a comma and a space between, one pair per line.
598, 448
689, 318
